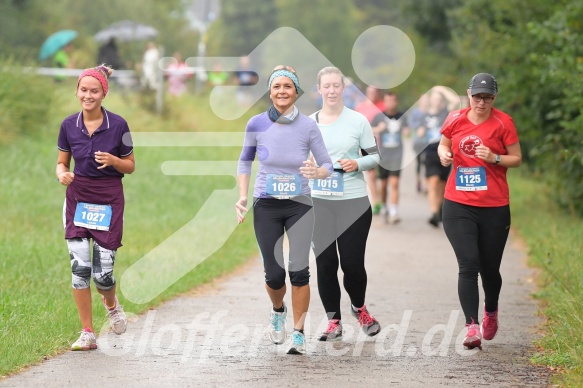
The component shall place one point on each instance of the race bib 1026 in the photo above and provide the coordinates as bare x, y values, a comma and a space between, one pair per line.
283, 186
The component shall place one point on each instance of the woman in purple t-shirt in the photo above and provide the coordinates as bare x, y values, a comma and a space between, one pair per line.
100, 144
282, 139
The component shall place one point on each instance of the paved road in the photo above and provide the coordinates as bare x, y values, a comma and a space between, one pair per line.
216, 336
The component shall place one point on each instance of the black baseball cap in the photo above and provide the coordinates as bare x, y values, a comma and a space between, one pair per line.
483, 83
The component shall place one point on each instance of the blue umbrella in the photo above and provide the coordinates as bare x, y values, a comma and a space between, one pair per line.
55, 42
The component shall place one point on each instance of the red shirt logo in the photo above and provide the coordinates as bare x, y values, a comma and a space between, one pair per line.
468, 145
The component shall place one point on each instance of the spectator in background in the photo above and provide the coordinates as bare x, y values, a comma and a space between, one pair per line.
245, 77
217, 76
177, 74
150, 65
62, 60
108, 54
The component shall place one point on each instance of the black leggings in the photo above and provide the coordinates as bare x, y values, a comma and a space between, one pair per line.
342, 225
478, 236
271, 218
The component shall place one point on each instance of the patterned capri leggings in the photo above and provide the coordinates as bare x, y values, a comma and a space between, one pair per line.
80, 254
82, 268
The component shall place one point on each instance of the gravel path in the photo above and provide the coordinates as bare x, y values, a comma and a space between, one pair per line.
217, 335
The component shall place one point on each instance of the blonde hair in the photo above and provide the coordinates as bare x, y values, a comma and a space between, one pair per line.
106, 69
329, 70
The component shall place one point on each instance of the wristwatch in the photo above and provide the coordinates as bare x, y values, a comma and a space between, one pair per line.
498, 159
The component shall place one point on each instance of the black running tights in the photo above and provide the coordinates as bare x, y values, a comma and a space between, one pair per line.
341, 229
478, 236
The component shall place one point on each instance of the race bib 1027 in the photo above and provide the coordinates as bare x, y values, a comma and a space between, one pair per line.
92, 216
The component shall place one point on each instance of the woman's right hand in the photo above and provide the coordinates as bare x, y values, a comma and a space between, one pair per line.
241, 208
446, 158
66, 178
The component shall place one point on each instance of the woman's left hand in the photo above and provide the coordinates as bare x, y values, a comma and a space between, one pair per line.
484, 153
348, 165
105, 159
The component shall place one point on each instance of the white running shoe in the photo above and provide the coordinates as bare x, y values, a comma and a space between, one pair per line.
117, 317
298, 343
277, 321
86, 341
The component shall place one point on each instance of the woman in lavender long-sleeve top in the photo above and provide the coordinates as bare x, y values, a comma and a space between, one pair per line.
282, 139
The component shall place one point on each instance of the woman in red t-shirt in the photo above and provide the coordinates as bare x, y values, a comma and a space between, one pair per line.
482, 143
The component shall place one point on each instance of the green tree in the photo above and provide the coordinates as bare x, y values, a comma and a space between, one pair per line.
429, 19
330, 25
25, 24
16, 40
536, 52
560, 65
241, 26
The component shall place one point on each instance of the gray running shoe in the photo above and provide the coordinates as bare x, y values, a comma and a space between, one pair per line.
369, 325
333, 332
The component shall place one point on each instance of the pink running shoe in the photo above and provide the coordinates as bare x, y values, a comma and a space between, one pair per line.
473, 337
333, 332
489, 324
369, 325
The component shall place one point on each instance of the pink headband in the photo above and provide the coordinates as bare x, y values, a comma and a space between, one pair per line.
97, 74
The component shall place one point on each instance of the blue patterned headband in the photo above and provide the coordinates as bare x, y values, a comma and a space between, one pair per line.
285, 73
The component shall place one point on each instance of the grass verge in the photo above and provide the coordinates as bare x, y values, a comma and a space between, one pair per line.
555, 245
38, 317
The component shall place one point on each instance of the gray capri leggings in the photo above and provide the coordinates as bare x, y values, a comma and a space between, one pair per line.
82, 268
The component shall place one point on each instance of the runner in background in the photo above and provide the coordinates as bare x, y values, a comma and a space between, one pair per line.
415, 122
441, 101
370, 107
389, 127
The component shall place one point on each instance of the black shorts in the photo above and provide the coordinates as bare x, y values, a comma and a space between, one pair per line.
390, 163
384, 173
433, 164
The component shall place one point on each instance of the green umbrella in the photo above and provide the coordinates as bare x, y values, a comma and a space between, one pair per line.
55, 42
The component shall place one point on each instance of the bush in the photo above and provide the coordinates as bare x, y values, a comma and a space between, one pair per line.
26, 100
